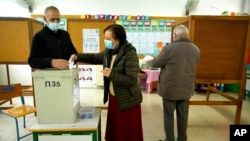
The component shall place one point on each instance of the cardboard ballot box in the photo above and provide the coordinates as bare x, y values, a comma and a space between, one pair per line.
57, 95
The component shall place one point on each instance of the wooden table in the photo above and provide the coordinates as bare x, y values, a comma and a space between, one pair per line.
80, 130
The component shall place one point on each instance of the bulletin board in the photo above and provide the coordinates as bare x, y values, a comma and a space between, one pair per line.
75, 27
142, 31
144, 34
224, 42
16, 37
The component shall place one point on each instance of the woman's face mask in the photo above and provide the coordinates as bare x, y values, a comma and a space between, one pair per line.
108, 44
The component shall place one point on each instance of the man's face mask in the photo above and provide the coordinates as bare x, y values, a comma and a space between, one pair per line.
108, 44
54, 26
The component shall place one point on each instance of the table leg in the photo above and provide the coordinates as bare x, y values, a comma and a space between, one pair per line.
99, 130
149, 88
35, 136
94, 137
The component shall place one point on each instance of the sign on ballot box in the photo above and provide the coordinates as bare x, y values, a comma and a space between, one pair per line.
57, 95
239, 132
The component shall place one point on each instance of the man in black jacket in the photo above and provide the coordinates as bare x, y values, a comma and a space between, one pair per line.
51, 46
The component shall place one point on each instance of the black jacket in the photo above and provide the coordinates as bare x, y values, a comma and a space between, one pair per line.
123, 75
47, 45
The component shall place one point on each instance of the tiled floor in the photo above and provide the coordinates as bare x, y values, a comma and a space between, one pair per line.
206, 123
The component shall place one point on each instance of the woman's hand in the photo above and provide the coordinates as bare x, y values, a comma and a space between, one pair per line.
106, 72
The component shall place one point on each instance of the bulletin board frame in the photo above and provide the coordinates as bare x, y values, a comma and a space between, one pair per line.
33, 16
92, 18
224, 42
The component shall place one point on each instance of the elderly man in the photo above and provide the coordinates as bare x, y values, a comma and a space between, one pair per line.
178, 62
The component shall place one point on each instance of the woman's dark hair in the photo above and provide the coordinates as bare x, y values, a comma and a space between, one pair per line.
118, 32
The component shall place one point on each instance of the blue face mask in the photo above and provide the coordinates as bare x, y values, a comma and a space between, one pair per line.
53, 26
108, 44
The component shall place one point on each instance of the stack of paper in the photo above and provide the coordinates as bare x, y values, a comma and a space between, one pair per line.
148, 58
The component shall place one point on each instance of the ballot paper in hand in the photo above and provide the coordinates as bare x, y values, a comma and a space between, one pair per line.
71, 62
148, 58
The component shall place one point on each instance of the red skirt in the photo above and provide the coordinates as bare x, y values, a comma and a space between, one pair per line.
125, 125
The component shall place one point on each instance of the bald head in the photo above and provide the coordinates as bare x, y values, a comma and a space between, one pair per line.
50, 8
51, 14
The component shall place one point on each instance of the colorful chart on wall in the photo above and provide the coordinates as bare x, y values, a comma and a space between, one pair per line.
144, 34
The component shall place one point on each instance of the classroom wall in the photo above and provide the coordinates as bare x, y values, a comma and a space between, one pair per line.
247, 6
121, 7
10, 8
216, 7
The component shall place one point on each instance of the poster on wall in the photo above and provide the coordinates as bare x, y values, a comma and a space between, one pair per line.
87, 75
91, 40
63, 24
